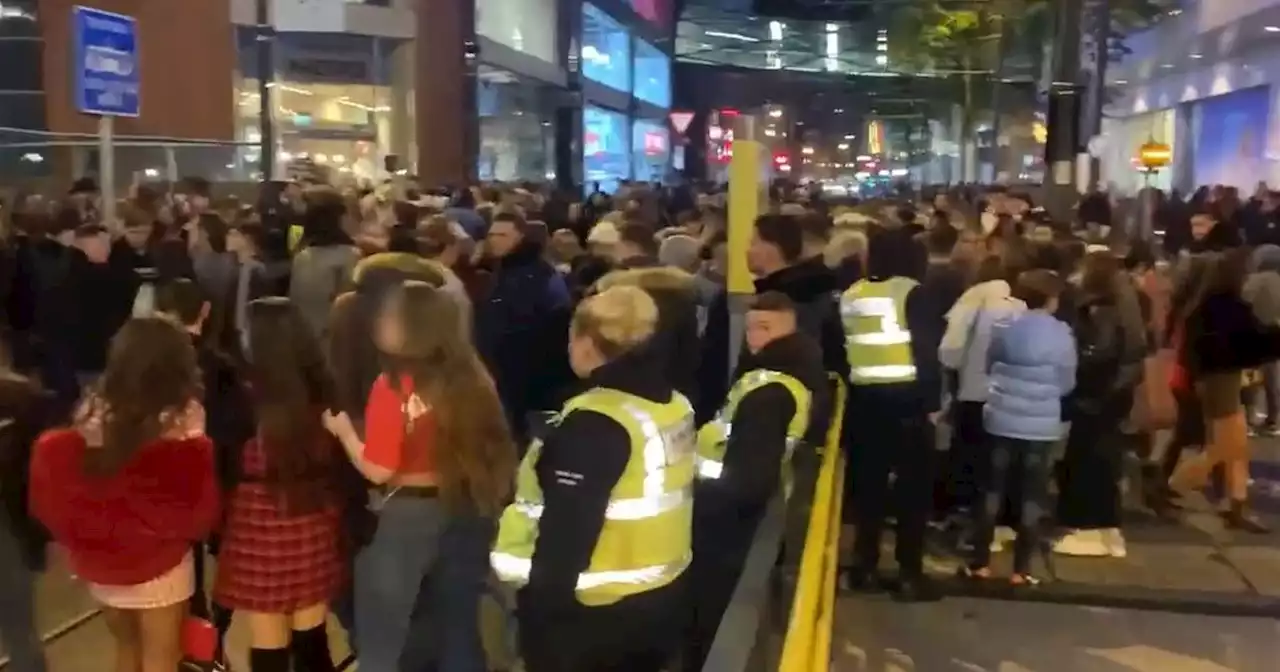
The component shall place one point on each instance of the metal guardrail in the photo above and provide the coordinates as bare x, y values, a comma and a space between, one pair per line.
807, 647
764, 609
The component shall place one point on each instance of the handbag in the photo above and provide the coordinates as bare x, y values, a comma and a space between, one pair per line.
202, 649
1154, 406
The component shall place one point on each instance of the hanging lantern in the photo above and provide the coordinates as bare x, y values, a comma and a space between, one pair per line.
1155, 155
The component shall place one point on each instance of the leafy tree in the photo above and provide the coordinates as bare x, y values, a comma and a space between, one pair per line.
988, 41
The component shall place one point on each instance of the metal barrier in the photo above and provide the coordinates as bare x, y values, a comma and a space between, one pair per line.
807, 647
789, 601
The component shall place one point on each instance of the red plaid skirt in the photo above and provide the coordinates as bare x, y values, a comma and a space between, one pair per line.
272, 562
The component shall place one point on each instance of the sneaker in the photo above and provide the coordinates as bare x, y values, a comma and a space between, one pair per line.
1113, 538
1271, 430
1082, 543
1001, 537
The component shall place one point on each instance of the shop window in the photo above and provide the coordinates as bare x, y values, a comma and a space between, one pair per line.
528, 26
651, 149
606, 50
652, 75
515, 126
606, 150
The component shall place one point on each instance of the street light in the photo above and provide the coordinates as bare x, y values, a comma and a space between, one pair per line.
844, 146
807, 151
775, 112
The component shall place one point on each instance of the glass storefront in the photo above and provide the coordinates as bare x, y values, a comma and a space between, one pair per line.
652, 75
342, 102
606, 150
650, 150
517, 141
528, 26
606, 49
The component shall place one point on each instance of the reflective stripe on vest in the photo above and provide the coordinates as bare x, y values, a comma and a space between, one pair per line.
652, 501
713, 438
877, 341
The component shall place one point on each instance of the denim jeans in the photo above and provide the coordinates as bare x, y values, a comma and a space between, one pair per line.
418, 587
17, 608
1016, 465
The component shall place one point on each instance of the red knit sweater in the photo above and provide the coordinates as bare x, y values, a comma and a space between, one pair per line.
134, 525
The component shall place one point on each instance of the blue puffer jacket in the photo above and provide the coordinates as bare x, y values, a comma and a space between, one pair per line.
1031, 366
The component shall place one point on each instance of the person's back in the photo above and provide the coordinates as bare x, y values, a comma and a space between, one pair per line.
319, 275
1032, 360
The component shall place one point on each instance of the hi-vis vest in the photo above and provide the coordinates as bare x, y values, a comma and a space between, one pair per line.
646, 539
877, 342
713, 438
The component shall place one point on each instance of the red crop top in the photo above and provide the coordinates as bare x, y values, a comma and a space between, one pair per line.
386, 442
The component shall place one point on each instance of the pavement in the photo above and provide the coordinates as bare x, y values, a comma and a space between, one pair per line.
874, 634
1189, 597
1189, 565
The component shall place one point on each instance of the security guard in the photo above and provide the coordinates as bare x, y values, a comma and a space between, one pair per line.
744, 456
599, 534
888, 426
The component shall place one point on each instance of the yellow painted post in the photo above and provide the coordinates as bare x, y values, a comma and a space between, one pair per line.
747, 198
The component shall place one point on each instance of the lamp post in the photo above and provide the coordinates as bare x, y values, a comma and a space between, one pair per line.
1063, 144
265, 39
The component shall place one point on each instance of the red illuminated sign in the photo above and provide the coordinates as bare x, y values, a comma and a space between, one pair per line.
655, 143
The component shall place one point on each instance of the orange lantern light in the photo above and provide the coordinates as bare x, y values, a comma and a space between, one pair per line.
1154, 155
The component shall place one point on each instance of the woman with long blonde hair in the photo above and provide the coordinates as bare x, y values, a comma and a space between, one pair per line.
599, 534
438, 448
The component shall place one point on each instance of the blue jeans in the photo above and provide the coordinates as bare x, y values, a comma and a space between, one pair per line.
418, 587
1017, 466
17, 608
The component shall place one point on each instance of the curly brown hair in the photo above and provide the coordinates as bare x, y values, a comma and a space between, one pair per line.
475, 454
150, 379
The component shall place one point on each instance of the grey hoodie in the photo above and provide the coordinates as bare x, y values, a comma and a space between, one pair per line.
1262, 287
319, 275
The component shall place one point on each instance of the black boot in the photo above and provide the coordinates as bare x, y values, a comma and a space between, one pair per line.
1238, 519
269, 660
311, 650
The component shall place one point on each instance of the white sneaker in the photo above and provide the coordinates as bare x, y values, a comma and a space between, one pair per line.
1083, 543
1001, 536
1113, 538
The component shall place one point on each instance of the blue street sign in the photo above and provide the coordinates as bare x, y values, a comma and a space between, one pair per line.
106, 70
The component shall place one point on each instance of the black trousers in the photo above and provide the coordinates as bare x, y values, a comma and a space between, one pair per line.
901, 446
720, 548
639, 634
1089, 475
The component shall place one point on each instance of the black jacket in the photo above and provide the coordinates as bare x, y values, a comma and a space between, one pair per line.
941, 287
582, 460
524, 317
102, 300
814, 289
1260, 228
24, 412
1107, 370
753, 457
1225, 336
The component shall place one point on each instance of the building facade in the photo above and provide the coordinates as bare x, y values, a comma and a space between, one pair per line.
1204, 80
449, 90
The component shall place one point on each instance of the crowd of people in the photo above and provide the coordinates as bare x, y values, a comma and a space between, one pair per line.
365, 403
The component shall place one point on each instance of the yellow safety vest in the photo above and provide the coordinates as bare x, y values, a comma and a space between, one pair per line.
646, 539
713, 438
877, 341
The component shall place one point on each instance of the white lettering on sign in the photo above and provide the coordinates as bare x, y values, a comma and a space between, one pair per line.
108, 25
108, 61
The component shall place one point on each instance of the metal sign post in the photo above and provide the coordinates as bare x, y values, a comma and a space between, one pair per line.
107, 84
